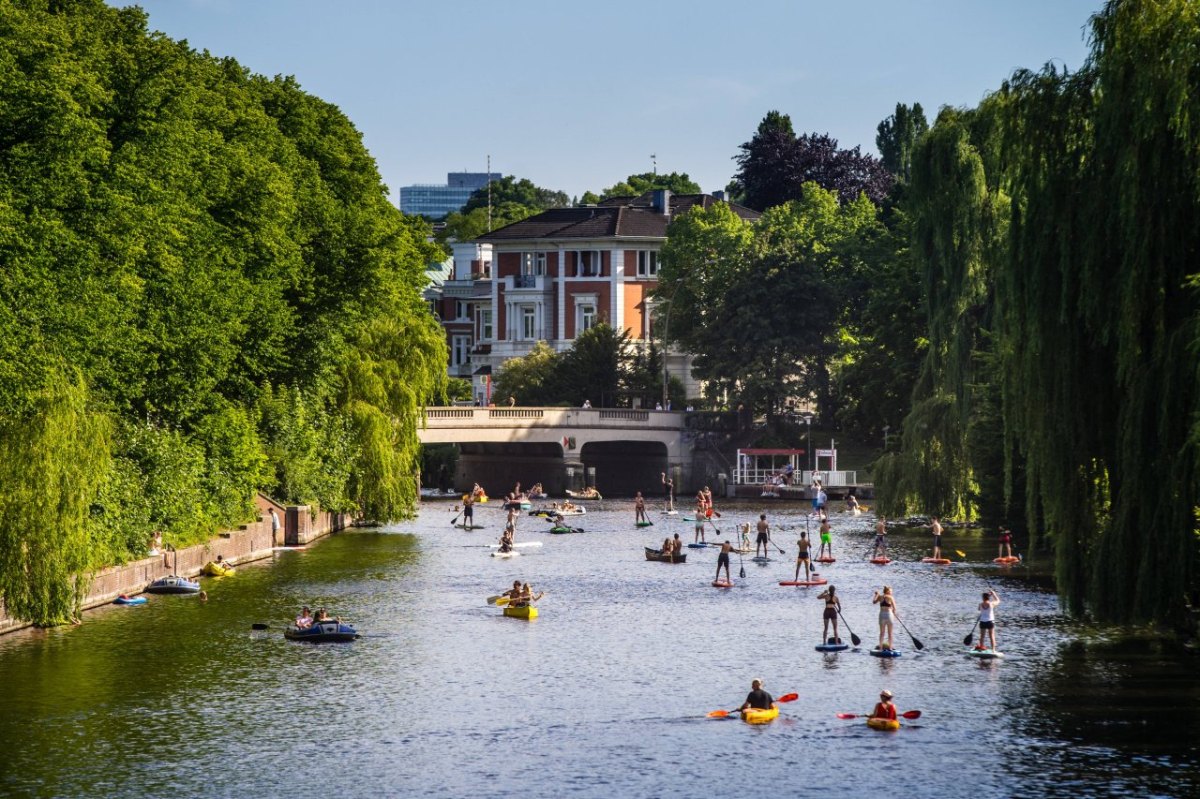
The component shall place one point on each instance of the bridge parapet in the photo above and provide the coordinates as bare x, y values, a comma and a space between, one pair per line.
597, 418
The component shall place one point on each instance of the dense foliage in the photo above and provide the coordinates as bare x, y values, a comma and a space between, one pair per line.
204, 293
776, 163
636, 185
505, 201
1056, 226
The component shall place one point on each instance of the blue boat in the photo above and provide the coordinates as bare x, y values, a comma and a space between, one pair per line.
322, 632
130, 600
173, 584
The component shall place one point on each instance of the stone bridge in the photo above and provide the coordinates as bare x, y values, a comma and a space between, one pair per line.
618, 450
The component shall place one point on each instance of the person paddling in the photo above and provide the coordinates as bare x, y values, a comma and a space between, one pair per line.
723, 560
826, 540
884, 709
468, 511
802, 557
887, 611
764, 535
880, 538
936, 524
987, 620
1005, 543
832, 606
757, 698
639, 508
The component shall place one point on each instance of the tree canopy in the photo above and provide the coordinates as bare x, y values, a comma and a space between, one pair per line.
896, 137
637, 185
205, 293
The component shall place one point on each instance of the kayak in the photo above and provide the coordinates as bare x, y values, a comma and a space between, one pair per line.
322, 632
885, 653
937, 561
559, 530
985, 654
889, 725
1008, 559
645, 524
755, 715
214, 569
722, 584
832, 647
825, 559
130, 600
816, 581
522, 612
881, 561
512, 553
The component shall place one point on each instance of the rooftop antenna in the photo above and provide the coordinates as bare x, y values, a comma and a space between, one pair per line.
489, 182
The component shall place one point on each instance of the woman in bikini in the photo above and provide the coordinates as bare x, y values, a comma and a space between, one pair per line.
802, 555
832, 606
887, 611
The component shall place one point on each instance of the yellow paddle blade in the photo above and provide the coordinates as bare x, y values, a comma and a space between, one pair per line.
504, 600
960, 553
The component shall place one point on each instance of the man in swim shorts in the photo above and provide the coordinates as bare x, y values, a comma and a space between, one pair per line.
764, 535
723, 560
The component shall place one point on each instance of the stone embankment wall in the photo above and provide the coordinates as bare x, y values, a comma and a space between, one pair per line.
250, 542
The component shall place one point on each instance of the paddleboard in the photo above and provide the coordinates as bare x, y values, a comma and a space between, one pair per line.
881, 561
1009, 559
645, 524
826, 559
522, 544
832, 647
818, 581
472, 527
761, 559
722, 584
697, 546
885, 653
511, 554
938, 561
985, 654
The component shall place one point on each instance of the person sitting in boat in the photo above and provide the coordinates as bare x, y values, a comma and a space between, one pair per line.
668, 546
527, 597
506, 539
852, 504
305, 619
477, 493
537, 492
222, 563
567, 505
677, 544
757, 698
322, 615
513, 594
884, 709
832, 605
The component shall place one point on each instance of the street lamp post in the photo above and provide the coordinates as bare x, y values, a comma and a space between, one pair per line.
808, 442
666, 329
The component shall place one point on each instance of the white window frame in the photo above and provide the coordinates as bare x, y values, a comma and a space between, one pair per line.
595, 269
647, 263
460, 309
588, 318
528, 323
533, 263
485, 324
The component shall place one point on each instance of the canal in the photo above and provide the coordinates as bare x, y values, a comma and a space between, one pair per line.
606, 693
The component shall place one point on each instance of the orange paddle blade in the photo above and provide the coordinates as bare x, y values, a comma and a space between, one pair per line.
788, 698
719, 714
911, 714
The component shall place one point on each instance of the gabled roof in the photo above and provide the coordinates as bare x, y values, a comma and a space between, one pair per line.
616, 217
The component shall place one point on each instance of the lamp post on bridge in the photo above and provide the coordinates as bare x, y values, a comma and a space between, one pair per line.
666, 399
808, 441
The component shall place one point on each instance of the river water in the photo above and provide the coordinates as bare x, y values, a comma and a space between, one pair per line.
605, 694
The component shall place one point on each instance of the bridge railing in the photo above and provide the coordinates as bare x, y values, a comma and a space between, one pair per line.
560, 417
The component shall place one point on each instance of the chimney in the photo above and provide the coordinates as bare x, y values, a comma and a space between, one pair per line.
662, 201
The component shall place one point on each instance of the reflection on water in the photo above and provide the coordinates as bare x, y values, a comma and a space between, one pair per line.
603, 695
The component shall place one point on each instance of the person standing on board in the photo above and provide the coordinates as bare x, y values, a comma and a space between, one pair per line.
639, 508
468, 511
937, 537
884, 709
880, 538
764, 535
802, 557
699, 537
723, 560
1005, 543
887, 611
832, 606
826, 540
669, 491
757, 698
987, 620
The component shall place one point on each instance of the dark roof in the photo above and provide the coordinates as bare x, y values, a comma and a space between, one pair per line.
616, 217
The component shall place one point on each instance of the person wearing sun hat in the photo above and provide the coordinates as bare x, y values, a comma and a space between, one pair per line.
884, 709
758, 698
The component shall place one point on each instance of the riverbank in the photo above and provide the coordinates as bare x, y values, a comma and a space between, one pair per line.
250, 542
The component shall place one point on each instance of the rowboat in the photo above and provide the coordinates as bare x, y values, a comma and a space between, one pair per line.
888, 725
657, 554
214, 569
173, 584
754, 715
322, 632
521, 612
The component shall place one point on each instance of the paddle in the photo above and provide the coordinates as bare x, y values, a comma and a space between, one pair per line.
854, 638
720, 714
742, 563
916, 643
908, 714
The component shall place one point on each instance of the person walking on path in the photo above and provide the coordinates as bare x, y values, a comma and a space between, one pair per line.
802, 557
832, 606
639, 508
937, 537
764, 535
887, 614
987, 620
826, 540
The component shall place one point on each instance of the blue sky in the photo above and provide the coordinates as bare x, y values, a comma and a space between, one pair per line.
577, 95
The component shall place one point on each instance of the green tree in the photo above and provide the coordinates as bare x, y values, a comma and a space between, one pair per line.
509, 189
897, 136
596, 366
636, 185
533, 379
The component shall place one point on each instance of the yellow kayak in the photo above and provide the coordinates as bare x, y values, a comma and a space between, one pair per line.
884, 724
214, 569
523, 612
754, 715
